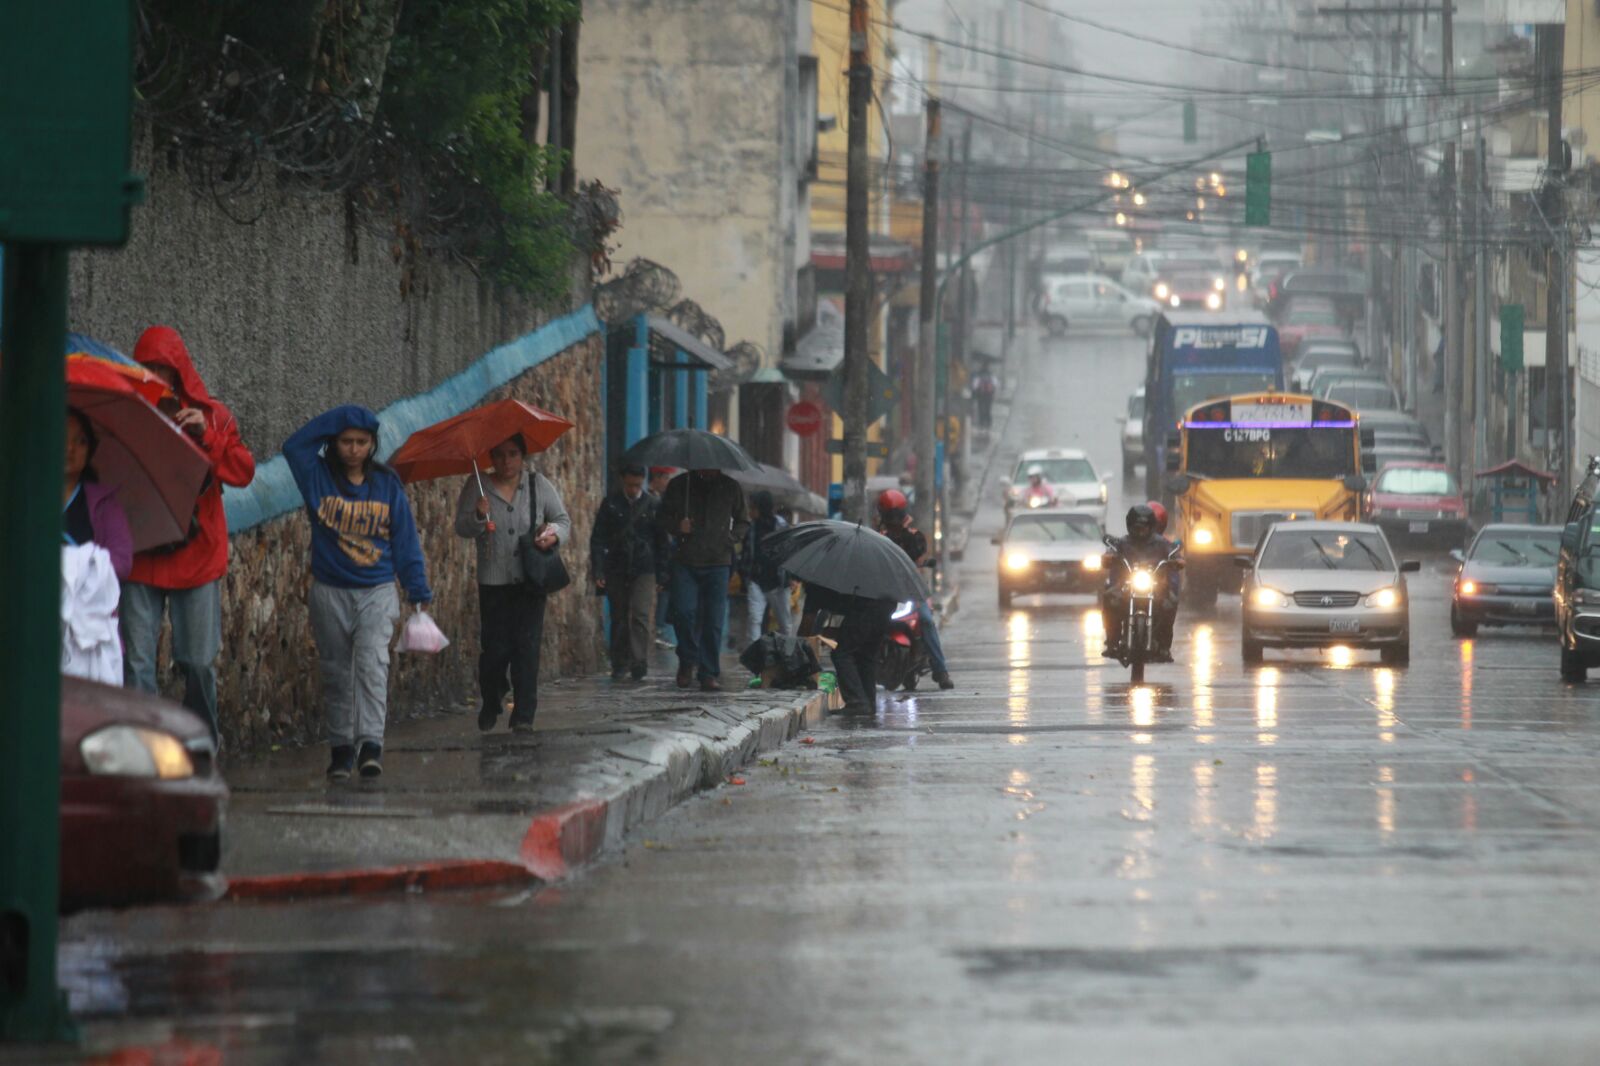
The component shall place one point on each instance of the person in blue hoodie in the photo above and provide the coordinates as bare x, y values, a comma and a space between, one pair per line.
363, 536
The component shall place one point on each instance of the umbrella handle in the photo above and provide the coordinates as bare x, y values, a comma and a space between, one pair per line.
482, 495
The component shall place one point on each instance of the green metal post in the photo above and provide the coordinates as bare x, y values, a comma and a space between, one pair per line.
32, 427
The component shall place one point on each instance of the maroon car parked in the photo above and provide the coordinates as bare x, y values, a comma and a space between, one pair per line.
1419, 501
141, 800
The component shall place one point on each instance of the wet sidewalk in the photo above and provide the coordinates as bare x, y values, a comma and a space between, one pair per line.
457, 808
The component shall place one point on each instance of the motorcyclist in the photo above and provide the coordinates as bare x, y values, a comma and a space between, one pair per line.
1143, 545
894, 522
1038, 487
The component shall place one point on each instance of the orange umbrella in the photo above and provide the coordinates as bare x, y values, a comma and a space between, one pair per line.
460, 445
146, 383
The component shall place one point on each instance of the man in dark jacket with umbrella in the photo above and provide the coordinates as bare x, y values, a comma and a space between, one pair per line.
704, 511
627, 552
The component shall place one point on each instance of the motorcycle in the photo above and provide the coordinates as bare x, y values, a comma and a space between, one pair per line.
903, 658
1142, 585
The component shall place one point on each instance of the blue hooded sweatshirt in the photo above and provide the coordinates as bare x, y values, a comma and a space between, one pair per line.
361, 535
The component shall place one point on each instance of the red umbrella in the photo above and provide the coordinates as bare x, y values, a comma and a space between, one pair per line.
158, 471
145, 382
460, 445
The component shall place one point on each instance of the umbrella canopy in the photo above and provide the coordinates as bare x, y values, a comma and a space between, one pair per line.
144, 382
461, 445
846, 558
785, 488
158, 471
690, 449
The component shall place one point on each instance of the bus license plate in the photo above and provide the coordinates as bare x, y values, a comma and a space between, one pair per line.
1419, 527
1343, 625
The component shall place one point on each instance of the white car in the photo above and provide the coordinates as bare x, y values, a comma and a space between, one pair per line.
1141, 272
1078, 487
1092, 300
1133, 431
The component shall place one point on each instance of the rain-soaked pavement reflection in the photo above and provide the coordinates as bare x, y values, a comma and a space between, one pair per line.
1319, 859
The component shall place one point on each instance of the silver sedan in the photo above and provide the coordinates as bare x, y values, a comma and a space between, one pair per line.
1320, 584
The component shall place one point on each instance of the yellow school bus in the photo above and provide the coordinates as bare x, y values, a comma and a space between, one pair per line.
1237, 464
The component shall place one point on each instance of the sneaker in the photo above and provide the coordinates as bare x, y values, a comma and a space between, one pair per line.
639, 671
371, 760
943, 681
710, 684
487, 717
342, 763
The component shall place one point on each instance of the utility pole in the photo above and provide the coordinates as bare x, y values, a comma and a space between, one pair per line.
927, 317
1480, 305
964, 308
1551, 42
857, 271
1450, 316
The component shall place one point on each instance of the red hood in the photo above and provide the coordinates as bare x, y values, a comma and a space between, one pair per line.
161, 346
1395, 501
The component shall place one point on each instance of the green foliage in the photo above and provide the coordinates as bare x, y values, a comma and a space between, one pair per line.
458, 74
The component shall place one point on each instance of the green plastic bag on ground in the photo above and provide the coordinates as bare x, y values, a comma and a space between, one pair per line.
826, 682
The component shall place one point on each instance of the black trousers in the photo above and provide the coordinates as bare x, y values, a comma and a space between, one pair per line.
855, 660
511, 627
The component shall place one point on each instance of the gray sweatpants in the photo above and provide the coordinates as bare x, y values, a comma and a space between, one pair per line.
353, 629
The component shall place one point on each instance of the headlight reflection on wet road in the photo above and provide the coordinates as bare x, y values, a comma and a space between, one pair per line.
1267, 706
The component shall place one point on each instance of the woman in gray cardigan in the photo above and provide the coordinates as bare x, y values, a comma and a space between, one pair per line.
514, 500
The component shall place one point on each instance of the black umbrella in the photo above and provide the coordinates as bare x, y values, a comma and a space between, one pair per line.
690, 449
784, 486
846, 558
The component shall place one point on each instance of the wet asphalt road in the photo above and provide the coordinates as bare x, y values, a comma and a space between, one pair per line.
1317, 861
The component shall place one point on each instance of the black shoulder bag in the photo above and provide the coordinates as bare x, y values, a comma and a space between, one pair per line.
543, 571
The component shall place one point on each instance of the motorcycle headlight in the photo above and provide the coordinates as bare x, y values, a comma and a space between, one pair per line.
1037, 501
903, 610
129, 751
1162, 291
1015, 561
1213, 301
1093, 562
1204, 536
1265, 597
1384, 599
1141, 581
1174, 301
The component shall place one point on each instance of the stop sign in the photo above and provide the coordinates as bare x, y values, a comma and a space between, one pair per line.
804, 418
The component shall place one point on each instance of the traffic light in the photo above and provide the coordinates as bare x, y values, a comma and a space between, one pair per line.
1190, 123
1258, 189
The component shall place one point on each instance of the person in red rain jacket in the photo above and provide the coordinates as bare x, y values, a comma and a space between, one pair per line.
185, 577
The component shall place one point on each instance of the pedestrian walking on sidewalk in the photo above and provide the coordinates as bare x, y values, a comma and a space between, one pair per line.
660, 478
494, 513
185, 578
626, 551
704, 510
983, 390
363, 537
765, 583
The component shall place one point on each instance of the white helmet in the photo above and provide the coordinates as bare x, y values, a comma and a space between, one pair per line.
1036, 470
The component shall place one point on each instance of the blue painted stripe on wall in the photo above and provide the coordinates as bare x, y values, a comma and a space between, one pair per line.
273, 491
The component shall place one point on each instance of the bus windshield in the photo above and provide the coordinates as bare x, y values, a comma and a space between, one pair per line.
1191, 389
1226, 451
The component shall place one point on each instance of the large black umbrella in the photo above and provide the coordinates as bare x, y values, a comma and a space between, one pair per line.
846, 558
690, 449
784, 486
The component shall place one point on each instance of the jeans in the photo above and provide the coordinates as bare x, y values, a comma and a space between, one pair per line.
353, 629
759, 599
855, 660
510, 631
196, 639
930, 638
632, 619
699, 615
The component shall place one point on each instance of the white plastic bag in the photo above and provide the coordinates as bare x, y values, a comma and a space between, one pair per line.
421, 634
90, 646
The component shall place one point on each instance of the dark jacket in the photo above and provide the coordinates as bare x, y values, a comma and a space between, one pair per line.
1149, 553
758, 565
626, 541
716, 507
910, 540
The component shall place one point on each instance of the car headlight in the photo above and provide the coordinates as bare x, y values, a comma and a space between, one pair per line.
1213, 301
1093, 562
1470, 588
1105, 493
1219, 284
1015, 561
1204, 536
1584, 597
1141, 581
903, 610
130, 751
1265, 597
1384, 599
1162, 291
1174, 301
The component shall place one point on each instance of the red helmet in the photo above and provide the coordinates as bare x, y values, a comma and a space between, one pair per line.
1161, 515
891, 500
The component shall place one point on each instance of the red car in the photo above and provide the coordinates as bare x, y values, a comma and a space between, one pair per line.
1419, 501
1305, 320
141, 800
